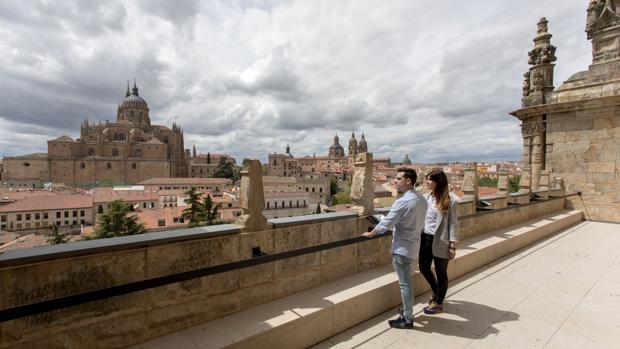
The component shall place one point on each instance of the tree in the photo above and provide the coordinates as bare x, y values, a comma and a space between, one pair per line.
193, 212
117, 221
209, 212
55, 237
343, 197
333, 186
224, 169
487, 182
514, 183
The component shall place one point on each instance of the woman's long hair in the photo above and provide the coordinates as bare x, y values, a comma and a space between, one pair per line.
441, 192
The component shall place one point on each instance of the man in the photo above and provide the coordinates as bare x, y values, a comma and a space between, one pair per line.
406, 219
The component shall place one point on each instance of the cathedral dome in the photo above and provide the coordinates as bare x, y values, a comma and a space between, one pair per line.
133, 100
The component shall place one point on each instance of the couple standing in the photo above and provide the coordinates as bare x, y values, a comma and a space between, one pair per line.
425, 221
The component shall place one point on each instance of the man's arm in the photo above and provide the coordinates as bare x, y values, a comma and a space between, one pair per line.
388, 222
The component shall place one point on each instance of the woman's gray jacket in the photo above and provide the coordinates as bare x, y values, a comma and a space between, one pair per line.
447, 228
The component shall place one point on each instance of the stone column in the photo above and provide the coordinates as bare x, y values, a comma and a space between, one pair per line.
252, 198
363, 187
526, 180
544, 184
537, 152
503, 184
470, 182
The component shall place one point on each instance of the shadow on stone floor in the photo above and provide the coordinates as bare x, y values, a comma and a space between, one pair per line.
464, 319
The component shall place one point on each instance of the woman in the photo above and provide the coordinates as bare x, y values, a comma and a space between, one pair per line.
438, 243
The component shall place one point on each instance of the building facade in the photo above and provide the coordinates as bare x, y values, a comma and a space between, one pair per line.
571, 133
126, 151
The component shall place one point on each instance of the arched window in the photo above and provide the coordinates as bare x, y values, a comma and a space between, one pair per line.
91, 152
114, 152
121, 136
138, 153
109, 165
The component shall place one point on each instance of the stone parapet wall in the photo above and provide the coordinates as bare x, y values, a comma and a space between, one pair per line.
486, 221
123, 320
62, 270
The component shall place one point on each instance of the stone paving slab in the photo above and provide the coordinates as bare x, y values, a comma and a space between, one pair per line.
561, 292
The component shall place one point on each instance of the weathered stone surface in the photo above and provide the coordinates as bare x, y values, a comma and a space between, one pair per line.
362, 186
470, 182
252, 198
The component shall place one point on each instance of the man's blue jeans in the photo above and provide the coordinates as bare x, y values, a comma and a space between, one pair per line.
402, 265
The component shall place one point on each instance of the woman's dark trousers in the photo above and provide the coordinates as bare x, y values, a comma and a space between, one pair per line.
438, 284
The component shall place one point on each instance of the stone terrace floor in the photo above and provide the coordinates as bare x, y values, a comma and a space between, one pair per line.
562, 292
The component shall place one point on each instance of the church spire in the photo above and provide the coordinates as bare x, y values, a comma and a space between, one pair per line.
134, 90
127, 93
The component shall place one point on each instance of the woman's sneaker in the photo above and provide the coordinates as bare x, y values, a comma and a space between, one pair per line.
433, 308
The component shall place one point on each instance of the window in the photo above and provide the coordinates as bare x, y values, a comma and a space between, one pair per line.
67, 214
313, 189
19, 216
109, 165
82, 221
161, 222
44, 215
267, 204
74, 222
138, 153
82, 165
165, 140
133, 165
58, 214
81, 213
3, 218
321, 190
75, 213
91, 152
99, 210
114, 152
37, 215
18, 226
305, 205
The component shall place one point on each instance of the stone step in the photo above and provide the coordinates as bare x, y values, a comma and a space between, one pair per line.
310, 316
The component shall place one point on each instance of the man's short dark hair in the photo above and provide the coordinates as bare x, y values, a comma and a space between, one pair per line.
409, 173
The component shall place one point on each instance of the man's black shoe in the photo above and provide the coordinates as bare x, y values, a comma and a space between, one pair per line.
401, 322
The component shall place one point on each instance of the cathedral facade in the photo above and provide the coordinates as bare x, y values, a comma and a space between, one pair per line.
127, 151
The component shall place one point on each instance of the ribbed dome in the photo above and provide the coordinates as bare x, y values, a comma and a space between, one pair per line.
133, 100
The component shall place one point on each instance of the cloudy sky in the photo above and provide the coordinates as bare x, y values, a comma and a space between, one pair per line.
432, 79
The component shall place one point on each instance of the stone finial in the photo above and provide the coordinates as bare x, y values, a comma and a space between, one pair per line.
363, 187
252, 198
503, 184
525, 184
470, 181
539, 79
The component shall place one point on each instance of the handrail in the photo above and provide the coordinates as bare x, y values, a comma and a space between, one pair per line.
90, 296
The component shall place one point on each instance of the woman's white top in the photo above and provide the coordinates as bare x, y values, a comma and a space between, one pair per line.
432, 215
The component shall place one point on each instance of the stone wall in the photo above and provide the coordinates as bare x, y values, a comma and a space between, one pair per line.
583, 148
56, 271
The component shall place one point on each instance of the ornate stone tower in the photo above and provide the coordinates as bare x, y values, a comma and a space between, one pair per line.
537, 88
570, 133
362, 147
352, 145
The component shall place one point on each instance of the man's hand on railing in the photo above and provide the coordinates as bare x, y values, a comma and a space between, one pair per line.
369, 234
